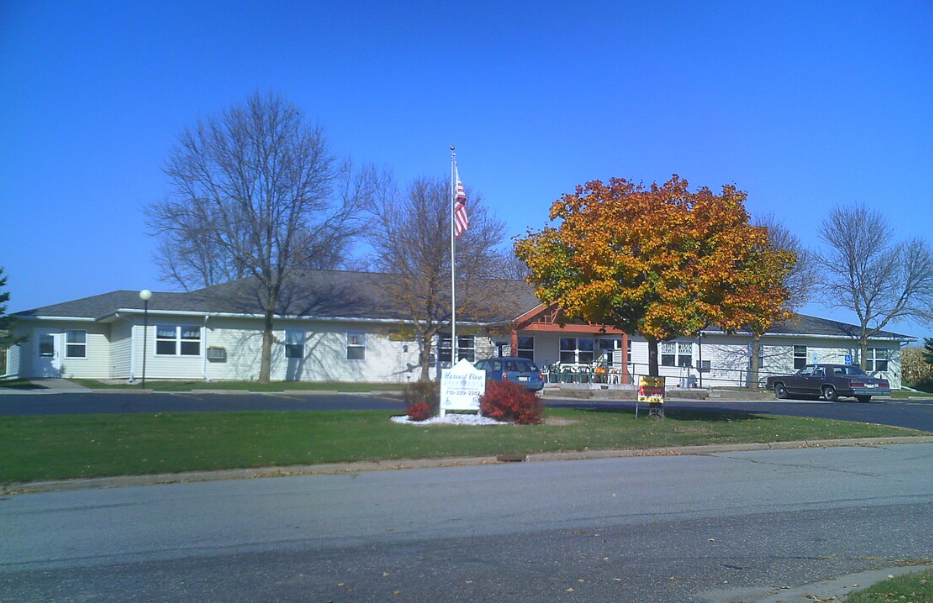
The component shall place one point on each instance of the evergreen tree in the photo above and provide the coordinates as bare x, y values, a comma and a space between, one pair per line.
928, 349
6, 321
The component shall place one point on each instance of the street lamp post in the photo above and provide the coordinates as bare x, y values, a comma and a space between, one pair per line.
145, 295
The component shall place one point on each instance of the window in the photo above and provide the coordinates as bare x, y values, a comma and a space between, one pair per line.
577, 350
675, 353
877, 360
606, 347
466, 348
668, 353
76, 344
47, 346
294, 343
685, 354
178, 340
526, 347
585, 350
800, 357
568, 350
356, 345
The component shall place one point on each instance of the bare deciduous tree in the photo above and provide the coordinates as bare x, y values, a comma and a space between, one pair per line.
256, 192
410, 235
863, 270
799, 282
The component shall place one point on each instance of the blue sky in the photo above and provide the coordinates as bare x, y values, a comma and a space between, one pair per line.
804, 105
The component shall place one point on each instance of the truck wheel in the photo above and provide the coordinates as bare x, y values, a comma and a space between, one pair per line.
829, 392
863, 398
779, 391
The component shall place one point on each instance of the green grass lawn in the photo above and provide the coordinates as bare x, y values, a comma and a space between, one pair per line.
73, 446
916, 587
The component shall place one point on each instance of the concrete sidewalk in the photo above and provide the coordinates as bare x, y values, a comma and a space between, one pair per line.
47, 386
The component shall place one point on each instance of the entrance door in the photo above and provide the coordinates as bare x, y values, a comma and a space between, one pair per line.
47, 361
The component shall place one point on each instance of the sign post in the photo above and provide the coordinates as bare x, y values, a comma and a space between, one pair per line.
461, 387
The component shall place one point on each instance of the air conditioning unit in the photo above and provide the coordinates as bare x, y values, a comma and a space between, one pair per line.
216, 354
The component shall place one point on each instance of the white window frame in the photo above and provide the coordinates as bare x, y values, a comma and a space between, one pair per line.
668, 353
178, 340
466, 348
581, 355
76, 345
606, 347
525, 351
356, 345
684, 354
677, 354
875, 356
800, 358
294, 341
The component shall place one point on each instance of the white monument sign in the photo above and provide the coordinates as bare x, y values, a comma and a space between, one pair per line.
461, 387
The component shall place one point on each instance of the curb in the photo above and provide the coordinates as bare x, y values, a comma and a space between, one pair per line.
366, 466
836, 589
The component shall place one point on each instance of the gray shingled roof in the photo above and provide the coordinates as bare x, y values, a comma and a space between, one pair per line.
364, 296
801, 324
314, 294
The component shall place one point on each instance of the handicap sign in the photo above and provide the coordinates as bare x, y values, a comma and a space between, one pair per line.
848, 358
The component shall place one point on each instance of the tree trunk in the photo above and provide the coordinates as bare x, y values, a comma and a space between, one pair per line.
653, 370
754, 363
265, 361
424, 356
863, 353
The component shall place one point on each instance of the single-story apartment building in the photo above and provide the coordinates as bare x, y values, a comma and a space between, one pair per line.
345, 326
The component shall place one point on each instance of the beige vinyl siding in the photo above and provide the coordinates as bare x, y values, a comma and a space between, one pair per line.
385, 360
96, 362
162, 366
242, 340
121, 338
325, 352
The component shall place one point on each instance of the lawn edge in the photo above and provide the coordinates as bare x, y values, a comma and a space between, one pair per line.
403, 464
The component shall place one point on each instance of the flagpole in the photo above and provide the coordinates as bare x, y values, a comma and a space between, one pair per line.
453, 258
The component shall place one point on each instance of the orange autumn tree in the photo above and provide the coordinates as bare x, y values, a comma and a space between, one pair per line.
658, 261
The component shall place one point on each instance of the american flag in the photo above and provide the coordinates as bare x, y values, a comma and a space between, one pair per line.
461, 223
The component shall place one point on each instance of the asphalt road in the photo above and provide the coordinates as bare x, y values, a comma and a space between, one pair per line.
716, 528
913, 414
129, 402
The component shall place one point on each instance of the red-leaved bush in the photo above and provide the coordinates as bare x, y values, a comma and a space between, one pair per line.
509, 401
423, 399
419, 411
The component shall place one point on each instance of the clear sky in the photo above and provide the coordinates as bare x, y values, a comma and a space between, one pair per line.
804, 105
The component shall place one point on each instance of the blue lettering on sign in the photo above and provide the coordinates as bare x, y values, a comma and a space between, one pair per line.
848, 358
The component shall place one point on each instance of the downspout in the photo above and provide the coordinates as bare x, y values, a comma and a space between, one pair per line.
204, 350
700, 355
131, 378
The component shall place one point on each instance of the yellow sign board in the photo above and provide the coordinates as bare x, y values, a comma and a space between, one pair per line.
651, 390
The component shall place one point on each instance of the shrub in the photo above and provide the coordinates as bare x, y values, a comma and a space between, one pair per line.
508, 401
915, 372
422, 393
419, 411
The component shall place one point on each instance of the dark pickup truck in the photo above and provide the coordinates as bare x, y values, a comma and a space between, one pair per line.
829, 381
